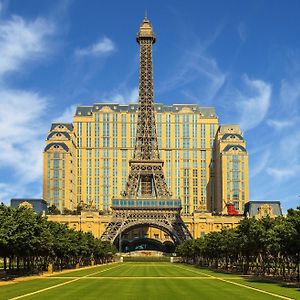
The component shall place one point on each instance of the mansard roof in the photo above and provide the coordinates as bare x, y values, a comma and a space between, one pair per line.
57, 124
229, 147
208, 112
63, 145
252, 207
51, 134
226, 135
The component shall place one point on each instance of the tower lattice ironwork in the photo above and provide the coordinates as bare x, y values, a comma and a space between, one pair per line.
146, 199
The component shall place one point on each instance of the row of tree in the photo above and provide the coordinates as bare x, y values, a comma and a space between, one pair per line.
267, 246
30, 242
53, 210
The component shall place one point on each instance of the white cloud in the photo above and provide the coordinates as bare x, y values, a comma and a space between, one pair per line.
103, 46
22, 130
196, 66
290, 146
282, 173
22, 133
260, 165
286, 162
22, 41
123, 97
7, 192
290, 93
280, 124
68, 114
253, 103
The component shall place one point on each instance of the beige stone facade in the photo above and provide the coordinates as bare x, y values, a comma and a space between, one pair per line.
87, 161
230, 170
198, 224
60, 167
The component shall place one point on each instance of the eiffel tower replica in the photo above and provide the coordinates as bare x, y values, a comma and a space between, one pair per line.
146, 200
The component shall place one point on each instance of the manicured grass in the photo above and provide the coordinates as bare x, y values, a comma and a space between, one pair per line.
146, 280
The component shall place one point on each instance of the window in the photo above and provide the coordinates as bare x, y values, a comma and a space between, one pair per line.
124, 138
159, 130
55, 194
235, 196
105, 117
88, 134
79, 131
186, 135
235, 165
235, 185
186, 154
228, 164
105, 131
195, 164
203, 133
212, 131
56, 183
186, 118
228, 186
56, 164
235, 175
97, 133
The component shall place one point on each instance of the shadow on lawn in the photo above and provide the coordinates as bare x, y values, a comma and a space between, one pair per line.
254, 279
10, 276
290, 285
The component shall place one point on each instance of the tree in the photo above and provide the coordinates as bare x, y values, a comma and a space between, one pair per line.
30, 238
266, 246
53, 210
293, 217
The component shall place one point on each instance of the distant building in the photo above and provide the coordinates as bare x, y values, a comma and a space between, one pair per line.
38, 205
260, 209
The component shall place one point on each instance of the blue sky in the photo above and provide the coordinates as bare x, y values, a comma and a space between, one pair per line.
241, 57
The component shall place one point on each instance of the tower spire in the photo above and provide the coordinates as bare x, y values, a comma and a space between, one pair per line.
146, 177
146, 146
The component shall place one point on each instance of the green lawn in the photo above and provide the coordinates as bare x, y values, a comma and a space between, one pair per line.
146, 280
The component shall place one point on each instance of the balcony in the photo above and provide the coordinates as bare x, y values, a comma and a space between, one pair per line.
146, 203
